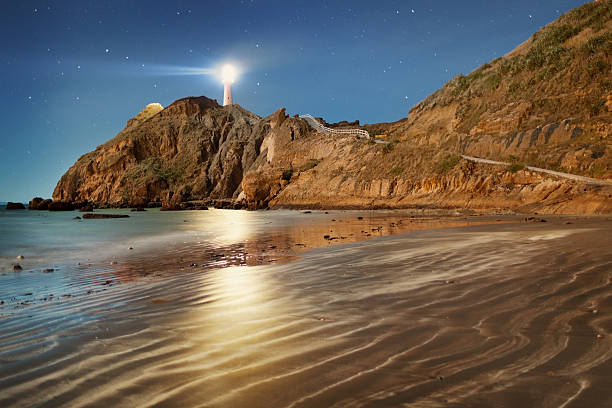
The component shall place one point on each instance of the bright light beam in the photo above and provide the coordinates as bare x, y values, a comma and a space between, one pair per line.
178, 71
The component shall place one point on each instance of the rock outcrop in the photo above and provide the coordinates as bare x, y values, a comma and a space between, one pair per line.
194, 147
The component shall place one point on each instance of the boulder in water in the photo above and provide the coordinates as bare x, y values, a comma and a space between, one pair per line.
15, 206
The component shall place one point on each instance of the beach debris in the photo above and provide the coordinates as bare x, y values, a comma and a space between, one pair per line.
17, 268
20, 257
535, 219
48, 270
90, 216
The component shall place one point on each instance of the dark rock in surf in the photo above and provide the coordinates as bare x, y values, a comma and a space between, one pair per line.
38, 203
15, 206
60, 206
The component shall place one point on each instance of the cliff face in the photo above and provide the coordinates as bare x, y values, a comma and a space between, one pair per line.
547, 104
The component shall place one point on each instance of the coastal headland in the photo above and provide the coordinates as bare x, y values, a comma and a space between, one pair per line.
547, 105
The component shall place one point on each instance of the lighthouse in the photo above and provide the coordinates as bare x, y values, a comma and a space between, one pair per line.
228, 75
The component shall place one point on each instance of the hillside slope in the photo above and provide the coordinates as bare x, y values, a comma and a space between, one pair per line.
548, 103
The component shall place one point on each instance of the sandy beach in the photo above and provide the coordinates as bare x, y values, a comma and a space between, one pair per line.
385, 310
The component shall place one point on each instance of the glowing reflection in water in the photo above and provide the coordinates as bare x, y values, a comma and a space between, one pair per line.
230, 226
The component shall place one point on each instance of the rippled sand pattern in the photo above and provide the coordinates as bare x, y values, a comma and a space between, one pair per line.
491, 316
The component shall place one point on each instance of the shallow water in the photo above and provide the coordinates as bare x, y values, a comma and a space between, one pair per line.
489, 315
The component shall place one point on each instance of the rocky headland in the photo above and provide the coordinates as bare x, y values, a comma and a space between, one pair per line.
547, 104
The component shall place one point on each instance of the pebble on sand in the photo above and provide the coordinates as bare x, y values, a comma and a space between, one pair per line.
20, 257
17, 268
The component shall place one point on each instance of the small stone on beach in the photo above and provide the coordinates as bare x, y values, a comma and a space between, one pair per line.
20, 257
600, 336
17, 268
48, 270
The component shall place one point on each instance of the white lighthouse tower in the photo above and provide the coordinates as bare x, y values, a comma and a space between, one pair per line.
228, 75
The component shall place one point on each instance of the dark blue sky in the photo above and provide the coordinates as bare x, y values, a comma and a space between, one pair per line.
73, 72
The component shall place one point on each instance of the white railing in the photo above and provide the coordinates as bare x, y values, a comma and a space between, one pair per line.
323, 129
590, 180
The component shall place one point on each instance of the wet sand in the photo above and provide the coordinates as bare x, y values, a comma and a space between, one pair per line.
499, 313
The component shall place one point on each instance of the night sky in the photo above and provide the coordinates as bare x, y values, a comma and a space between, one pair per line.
73, 72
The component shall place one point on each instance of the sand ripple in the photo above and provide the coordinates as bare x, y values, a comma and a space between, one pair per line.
502, 316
